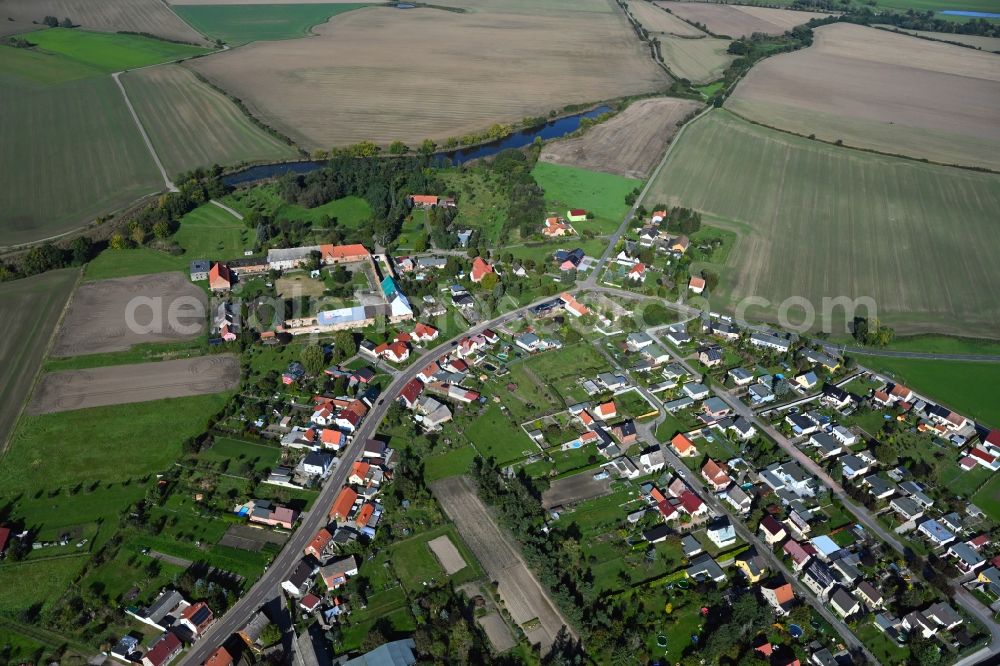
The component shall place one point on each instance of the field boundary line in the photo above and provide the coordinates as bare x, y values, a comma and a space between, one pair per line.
872, 151
145, 137
5, 444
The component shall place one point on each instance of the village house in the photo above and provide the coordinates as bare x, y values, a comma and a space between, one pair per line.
716, 475
705, 568
576, 215
770, 342
853, 466
740, 376
683, 446
710, 356
265, 512
772, 531
842, 602
967, 559
799, 553
637, 273
737, 498
163, 651
818, 578
753, 566
336, 573
344, 504
480, 269
936, 533
868, 595
555, 227
197, 618
780, 596
319, 543
300, 579
721, 532
696, 284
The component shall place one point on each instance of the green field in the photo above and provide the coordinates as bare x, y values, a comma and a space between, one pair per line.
349, 212
209, 232
239, 24
32, 307
970, 388
495, 436
23, 583
138, 261
599, 193
110, 52
57, 451
71, 152
830, 222
193, 125
415, 563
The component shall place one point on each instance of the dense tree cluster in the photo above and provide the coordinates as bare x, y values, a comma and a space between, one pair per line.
871, 333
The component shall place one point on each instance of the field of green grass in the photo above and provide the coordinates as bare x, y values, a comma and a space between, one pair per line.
239, 24
349, 211
451, 463
110, 52
32, 307
193, 125
56, 451
971, 388
414, 563
45, 581
862, 215
212, 233
599, 193
494, 435
137, 261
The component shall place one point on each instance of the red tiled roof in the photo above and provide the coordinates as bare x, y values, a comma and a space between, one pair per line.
771, 526
977, 452
364, 515
342, 506
681, 443
697, 282
784, 593
164, 647
690, 501
480, 269
221, 656
319, 542
355, 251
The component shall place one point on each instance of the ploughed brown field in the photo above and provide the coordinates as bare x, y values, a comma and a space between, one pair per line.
523, 596
384, 74
737, 20
630, 144
447, 554
97, 320
883, 91
140, 382
150, 16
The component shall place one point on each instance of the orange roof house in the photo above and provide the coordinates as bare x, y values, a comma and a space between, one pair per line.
555, 227
359, 470
219, 277
683, 446
220, 657
715, 473
696, 284
336, 254
343, 504
424, 200
480, 269
318, 543
364, 515
607, 410
573, 306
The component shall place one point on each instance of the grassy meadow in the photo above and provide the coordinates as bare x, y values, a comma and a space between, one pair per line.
32, 307
193, 125
110, 52
602, 194
821, 221
349, 212
239, 24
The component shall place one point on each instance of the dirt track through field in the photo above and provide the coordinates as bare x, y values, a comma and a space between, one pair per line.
140, 382
630, 144
461, 72
521, 592
98, 319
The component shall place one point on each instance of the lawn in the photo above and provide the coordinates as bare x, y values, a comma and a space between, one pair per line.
540, 252
599, 193
232, 451
415, 563
857, 209
349, 212
451, 463
110, 52
45, 581
212, 233
988, 498
32, 307
971, 388
138, 261
191, 124
56, 451
239, 24
495, 436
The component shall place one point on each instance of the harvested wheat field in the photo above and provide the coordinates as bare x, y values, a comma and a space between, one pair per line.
98, 318
142, 16
657, 19
522, 594
883, 91
975, 41
141, 382
630, 144
697, 60
737, 20
462, 71
447, 554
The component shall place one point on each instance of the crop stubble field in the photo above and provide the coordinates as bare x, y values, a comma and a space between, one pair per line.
30, 309
697, 60
882, 91
738, 20
523, 595
630, 144
97, 319
192, 125
830, 221
655, 19
977, 41
142, 382
463, 71
149, 16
